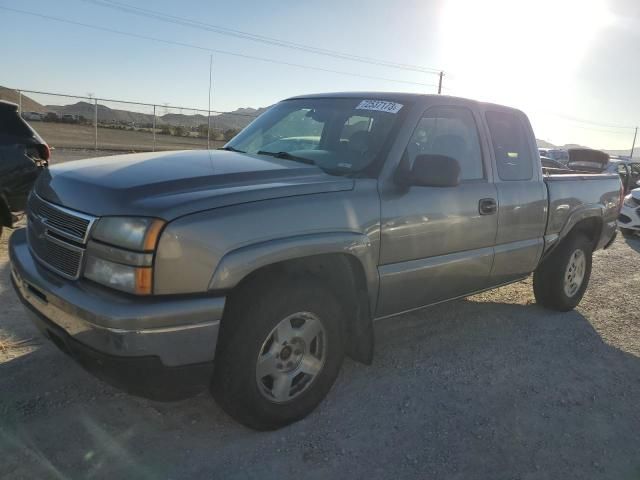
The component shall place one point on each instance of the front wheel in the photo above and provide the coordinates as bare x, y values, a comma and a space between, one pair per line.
279, 353
560, 281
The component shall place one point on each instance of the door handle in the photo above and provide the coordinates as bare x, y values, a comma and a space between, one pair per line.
487, 206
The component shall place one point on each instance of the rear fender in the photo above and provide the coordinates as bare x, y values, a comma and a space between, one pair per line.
584, 212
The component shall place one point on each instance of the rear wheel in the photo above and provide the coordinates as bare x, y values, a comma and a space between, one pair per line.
627, 232
560, 281
278, 354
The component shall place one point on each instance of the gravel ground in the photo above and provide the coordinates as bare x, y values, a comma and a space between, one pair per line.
491, 387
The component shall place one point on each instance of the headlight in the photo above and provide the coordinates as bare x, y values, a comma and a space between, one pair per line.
630, 202
120, 253
132, 233
136, 280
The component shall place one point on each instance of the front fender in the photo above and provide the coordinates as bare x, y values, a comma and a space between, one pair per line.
239, 263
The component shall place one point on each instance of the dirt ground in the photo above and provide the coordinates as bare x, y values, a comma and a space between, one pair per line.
64, 135
61, 155
491, 387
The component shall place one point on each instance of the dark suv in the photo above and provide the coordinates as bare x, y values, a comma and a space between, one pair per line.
23, 155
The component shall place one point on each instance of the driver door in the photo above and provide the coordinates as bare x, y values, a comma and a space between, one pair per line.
437, 242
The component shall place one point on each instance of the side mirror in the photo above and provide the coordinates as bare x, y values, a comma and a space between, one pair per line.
433, 171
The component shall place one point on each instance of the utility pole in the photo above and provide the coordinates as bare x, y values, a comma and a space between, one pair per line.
209, 112
440, 83
633, 145
153, 128
95, 122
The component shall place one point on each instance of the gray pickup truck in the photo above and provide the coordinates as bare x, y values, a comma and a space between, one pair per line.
255, 268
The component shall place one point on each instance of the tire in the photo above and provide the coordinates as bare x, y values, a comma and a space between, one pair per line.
250, 332
549, 278
627, 232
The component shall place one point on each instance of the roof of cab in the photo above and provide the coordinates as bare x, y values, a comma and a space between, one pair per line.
400, 97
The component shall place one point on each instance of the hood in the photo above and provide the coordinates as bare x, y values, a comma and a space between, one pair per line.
172, 184
587, 159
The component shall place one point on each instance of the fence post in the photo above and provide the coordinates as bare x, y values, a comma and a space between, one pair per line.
20, 102
154, 128
209, 108
95, 121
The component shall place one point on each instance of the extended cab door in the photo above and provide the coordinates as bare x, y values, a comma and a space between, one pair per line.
522, 195
437, 242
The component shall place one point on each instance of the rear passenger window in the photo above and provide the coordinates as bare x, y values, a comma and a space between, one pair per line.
509, 137
452, 132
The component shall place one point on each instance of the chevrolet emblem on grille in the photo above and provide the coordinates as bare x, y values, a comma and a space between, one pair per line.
57, 236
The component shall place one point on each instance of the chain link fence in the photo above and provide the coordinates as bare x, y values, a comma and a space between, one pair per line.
91, 124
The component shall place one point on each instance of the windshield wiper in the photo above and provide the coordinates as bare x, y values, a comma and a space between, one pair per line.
231, 149
287, 156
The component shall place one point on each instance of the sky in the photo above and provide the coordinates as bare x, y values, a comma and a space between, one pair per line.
572, 65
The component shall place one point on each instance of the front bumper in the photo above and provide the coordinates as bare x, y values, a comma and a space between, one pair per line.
87, 320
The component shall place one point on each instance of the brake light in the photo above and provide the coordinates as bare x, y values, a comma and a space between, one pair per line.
44, 151
621, 197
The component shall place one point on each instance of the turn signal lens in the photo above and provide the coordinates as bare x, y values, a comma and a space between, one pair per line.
153, 234
144, 279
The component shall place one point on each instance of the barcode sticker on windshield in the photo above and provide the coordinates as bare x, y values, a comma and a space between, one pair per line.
380, 106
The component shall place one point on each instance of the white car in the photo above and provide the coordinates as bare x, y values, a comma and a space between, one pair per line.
32, 115
629, 218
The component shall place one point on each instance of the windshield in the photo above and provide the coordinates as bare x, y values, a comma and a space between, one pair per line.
339, 135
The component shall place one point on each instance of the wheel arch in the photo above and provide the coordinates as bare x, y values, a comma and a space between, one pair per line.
591, 227
343, 262
587, 220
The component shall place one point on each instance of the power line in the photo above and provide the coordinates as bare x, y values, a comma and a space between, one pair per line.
164, 17
563, 116
588, 122
210, 50
610, 132
587, 127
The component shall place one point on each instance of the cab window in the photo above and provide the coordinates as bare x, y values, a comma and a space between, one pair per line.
449, 131
510, 145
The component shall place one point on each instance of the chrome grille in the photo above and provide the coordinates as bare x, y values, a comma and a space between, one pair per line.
60, 219
59, 257
57, 236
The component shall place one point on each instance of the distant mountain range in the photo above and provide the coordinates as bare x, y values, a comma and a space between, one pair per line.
235, 120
